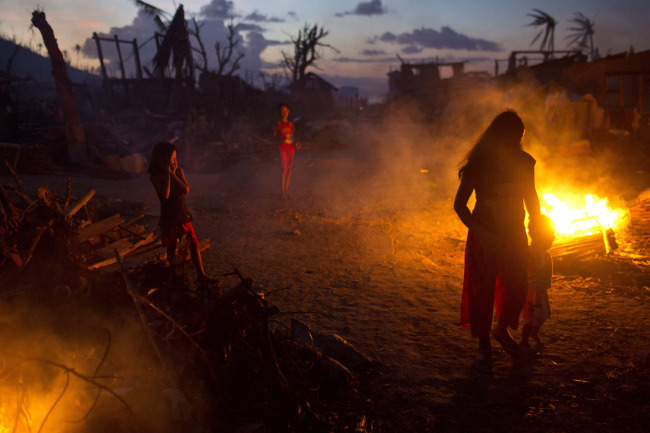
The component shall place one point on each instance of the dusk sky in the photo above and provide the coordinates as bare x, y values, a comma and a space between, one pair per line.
368, 35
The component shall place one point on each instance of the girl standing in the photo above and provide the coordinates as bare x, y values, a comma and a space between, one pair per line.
175, 221
284, 131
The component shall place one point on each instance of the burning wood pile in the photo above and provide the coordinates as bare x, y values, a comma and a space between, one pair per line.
225, 358
590, 231
583, 231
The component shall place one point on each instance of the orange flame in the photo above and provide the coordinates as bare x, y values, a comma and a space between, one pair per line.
577, 219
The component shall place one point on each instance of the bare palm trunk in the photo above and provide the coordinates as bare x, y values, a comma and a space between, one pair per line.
76, 137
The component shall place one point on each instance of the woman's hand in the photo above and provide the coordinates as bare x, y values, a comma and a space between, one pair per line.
172, 168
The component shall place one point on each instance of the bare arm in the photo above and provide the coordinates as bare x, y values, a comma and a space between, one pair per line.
463, 194
178, 177
488, 239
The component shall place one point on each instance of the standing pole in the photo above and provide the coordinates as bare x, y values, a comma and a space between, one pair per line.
136, 56
101, 57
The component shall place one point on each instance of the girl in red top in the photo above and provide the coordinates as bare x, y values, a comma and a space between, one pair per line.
284, 131
175, 220
502, 176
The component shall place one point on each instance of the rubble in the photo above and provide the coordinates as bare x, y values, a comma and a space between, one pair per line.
251, 371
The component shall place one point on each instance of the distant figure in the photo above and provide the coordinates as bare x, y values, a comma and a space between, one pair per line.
284, 132
540, 273
496, 253
175, 220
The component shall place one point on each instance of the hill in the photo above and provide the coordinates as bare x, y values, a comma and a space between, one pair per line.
30, 65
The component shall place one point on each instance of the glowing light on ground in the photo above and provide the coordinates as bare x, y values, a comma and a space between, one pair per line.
573, 218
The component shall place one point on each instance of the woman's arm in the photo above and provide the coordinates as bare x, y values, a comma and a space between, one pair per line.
178, 177
463, 194
489, 240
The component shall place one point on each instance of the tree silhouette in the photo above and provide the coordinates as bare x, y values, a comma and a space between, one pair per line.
305, 52
544, 19
582, 33
159, 16
175, 46
226, 50
77, 49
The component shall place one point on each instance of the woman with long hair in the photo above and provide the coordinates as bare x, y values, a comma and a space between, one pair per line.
501, 174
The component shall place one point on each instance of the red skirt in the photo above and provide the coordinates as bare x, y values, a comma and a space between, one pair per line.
169, 235
493, 284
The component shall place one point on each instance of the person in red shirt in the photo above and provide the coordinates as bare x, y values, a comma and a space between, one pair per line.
502, 177
284, 132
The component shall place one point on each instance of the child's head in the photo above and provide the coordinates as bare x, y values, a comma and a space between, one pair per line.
542, 231
160, 157
283, 108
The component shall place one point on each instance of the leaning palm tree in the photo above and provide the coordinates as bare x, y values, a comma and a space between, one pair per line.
160, 17
544, 19
175, 46
582, 34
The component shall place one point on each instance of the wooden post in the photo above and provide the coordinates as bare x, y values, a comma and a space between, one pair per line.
136, 56
119, 55
76, 137
124, 81
101, 57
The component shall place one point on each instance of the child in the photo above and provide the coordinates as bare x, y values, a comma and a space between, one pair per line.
284, 131
175, 220
540, 271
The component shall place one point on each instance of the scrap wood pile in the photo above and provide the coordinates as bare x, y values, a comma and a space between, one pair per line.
579, 247
52, 228
227, 351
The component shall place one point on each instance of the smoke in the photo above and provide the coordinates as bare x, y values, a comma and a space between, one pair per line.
410, 153
77, 371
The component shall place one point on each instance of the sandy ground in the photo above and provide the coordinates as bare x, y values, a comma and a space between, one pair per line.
370, 249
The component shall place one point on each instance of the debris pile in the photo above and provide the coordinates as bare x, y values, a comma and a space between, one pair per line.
229, 361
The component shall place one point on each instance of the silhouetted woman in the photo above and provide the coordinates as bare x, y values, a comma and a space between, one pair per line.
502, 176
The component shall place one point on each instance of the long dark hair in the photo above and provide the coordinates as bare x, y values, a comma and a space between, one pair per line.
160, 156
507, 128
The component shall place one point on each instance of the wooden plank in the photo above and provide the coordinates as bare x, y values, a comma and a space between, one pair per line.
109, 250
126, 250
99, 227
74, 209
149, 252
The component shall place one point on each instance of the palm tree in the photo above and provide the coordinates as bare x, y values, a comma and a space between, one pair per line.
544, 19
77, 49
582, 34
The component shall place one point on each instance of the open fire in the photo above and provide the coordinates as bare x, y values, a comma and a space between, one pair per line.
584, 227
573, 218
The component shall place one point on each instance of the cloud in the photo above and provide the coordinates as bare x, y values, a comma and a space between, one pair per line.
257, 17
218, 9
143, 28
437, 59
373, 7
446, 38
246, 27
373, 52
412, 49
